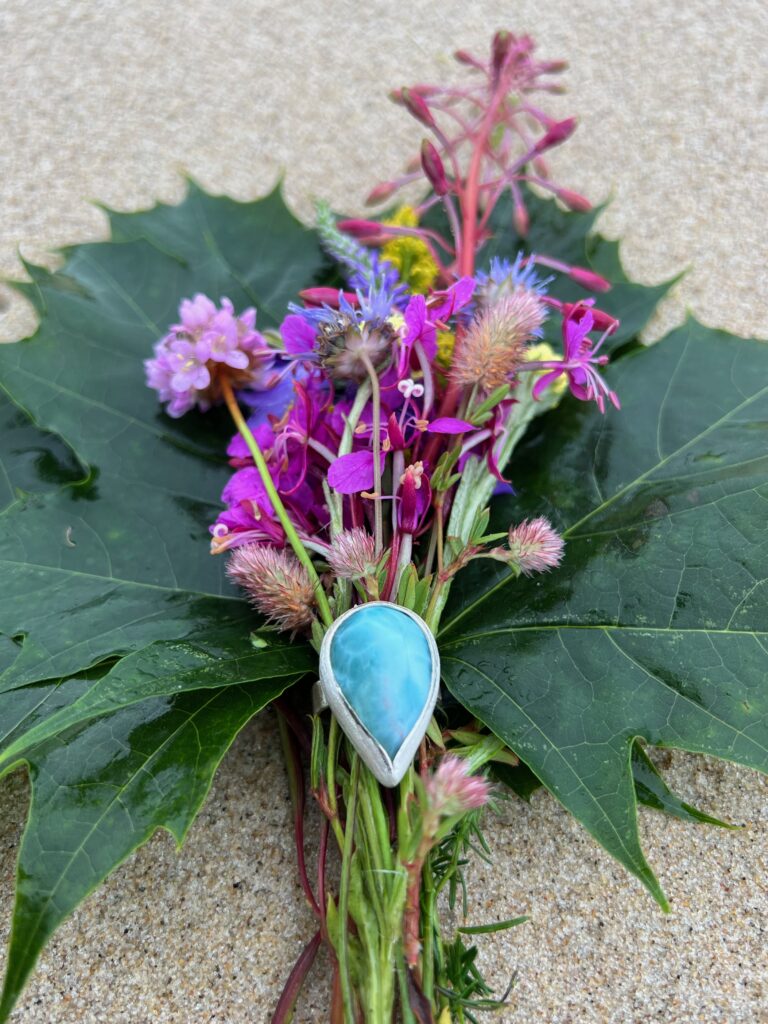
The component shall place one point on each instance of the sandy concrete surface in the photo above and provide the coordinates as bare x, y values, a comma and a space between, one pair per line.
107, 100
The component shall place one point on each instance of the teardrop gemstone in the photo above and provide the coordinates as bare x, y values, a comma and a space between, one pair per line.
383, 665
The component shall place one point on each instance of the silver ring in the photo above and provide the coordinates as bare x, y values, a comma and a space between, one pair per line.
388, 770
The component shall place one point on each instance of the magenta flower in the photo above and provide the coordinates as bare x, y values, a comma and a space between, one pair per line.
579, 362
353, 473
415, 496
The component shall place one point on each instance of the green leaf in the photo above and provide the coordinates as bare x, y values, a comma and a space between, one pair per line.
652, 791
101, 791
127, 662
656, 624
495, 926
106, 567
224, 658
650, 788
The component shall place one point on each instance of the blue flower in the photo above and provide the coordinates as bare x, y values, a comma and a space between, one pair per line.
520, 274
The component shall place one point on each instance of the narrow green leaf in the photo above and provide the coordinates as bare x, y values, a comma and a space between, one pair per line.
496, 926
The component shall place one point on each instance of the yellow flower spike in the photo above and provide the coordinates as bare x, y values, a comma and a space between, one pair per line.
410, 256
445, 1016
543, 352
403, 217
446, 341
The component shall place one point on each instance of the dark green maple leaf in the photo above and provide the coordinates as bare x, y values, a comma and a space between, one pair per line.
656, 624
118, 630
100, 791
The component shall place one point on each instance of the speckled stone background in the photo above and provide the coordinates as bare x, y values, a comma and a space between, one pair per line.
106, 101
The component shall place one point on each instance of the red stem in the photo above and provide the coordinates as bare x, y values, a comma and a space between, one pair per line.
287, 1001
296, 786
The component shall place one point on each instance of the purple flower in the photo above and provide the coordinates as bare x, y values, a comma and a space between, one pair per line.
579, 362
208, 343
353, 473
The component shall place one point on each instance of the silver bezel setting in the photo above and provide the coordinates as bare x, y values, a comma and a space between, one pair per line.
389, 772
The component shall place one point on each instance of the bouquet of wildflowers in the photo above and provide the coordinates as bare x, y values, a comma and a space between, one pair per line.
466, 565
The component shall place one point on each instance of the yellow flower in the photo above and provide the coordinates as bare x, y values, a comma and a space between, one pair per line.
410, 256
445, 343
544, 353
445, 1016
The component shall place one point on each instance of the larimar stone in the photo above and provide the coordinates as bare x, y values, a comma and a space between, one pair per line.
382, 664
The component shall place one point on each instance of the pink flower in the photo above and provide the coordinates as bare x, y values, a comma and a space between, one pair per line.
278, 585
451, 789
190, 360
534, 546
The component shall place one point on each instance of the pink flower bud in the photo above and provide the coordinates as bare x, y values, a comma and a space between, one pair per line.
502, 41
326, 297
574, 201
359, 228
433, 168
465, 57
520, 218
589, 279
553, 67
415, 496
416, 106
395, 434
601, 320
381, 193
555, 134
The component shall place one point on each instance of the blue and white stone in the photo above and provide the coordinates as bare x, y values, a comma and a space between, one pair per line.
380, 670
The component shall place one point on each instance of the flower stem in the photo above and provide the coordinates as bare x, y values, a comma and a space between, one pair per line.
333, 753
269, 486
346, 867
378, 518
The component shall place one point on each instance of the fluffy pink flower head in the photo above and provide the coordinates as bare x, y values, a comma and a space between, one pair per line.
451, 789
277, 584
208, 343
352, 555
535, 546
494, 344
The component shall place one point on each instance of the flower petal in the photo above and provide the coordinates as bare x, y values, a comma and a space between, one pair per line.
449, 425
352, 473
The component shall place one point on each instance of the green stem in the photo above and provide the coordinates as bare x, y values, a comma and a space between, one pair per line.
269, 486
346, 866
428, 933
378, 517
334, 735
360, 402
